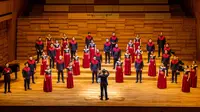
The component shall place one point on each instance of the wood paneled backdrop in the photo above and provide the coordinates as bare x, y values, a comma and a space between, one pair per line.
3, 42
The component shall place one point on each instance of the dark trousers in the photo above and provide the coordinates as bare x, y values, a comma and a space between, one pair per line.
99, 64
149, 53
94, 74
107, 57
33, 76
73, 54
60, 72
27, 83
115, 60
174, 76
6, 85
104, 89
52, 63
138, 74
160, 48
166, 66
87, 44
112, 46
39, 54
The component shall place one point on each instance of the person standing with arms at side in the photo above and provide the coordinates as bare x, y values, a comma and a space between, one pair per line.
39, 45
43, 66
152, 65
47, 87
52, 55
127, 63
174, 68
119, 77
26, 75
64, 43
6, 72
88, 39
67, 56
76, 65
165, 61
138, 67
98, 58
116, 54
130, 47
107, 51
150, 48
161, 41
113, 40
193, 75
92, 48
60, 65
57, 48
70, 80
49, 41
94, 66
186, 80
86, 58
103, 75
74, 47
32, 66
162, 79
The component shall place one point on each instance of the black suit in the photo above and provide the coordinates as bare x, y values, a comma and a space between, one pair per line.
104, 83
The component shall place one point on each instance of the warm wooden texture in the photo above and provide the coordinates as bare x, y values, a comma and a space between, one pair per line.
143, 1
6, 7
106, 8
87, 94
3, 42
180, 32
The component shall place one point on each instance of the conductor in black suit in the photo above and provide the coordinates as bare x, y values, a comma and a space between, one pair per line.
103, 75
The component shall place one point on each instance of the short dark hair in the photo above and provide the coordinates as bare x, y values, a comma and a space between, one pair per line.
89, 32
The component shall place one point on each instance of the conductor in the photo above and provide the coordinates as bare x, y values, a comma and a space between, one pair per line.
103, 75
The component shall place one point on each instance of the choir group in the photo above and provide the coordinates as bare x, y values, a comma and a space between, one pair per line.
65, 56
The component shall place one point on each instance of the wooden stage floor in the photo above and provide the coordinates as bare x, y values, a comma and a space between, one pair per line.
85, 93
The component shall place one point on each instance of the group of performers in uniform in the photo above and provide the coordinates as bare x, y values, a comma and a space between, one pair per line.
65, 56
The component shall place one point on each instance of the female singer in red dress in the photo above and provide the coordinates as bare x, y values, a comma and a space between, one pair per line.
70, 80
49, 41
119, 71
131, 50
66, 56
92, 48
57, 48
193, 75
162, 80
64, 43
47, 80
127, 63
152, 65
44, 63
137, 42
139, 52
86, 58
76, 65
186, 81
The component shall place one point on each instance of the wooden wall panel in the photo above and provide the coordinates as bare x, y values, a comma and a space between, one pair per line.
143, 1
56, 8
106, 1
6, 7
3, 43
183, 41
58, 1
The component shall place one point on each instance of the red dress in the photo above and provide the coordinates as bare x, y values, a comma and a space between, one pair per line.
152, 68
70, 81
127, 66
43, 66
48, 44
132, 52
162, 80
76, 67
193, 79
185, 84
86, 60
64, 44
92, 53
119, 74
66, 57
48, 82
136, 45
57, 48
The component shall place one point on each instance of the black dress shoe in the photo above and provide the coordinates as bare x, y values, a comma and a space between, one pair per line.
101, 98
9, 91
4, 92
136, 82
107, 98
140, 81
25, 89
58, 81
29, 89
33, 82
63, 81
